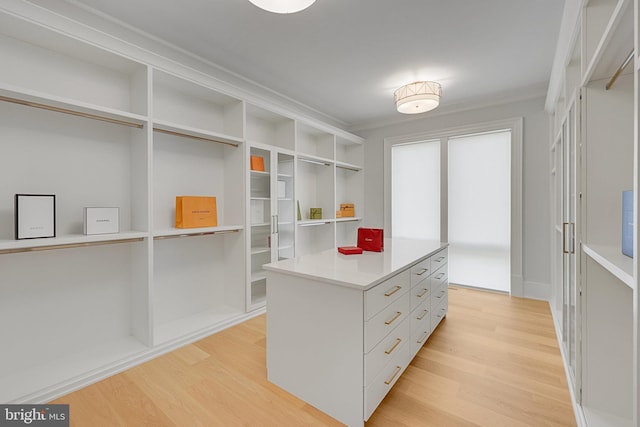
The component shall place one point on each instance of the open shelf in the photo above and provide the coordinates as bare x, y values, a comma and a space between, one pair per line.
189, 105
70, 106
70, 241
612, 260
267, 128
194, 133
185, 232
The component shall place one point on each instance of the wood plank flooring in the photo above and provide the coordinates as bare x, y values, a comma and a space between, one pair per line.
494, 361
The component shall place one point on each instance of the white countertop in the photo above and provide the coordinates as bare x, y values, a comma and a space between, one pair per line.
361, 271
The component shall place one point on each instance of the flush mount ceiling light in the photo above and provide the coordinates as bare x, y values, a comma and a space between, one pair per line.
418, 97
283, 6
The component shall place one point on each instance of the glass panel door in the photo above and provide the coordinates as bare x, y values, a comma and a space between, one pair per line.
285, 207
570, 241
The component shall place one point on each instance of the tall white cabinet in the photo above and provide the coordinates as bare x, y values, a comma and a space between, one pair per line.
99, 127
594, 155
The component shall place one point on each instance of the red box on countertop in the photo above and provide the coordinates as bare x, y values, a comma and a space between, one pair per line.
349, 250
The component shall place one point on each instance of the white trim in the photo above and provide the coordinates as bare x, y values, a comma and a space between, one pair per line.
516, 125
61, 389
577, 409
536, 290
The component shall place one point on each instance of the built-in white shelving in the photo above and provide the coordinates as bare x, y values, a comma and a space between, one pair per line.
601, 97
99, 128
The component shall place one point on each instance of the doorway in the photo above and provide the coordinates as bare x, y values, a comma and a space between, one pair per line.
472, 177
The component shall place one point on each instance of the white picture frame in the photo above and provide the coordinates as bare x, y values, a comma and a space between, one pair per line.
35, 216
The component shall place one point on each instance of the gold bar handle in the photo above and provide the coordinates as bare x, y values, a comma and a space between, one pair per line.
573, 237
424, 292
393, 319
395, 289
439, 259
395, 374
439, 276
393, 347
423, 338
422, 271
424, 313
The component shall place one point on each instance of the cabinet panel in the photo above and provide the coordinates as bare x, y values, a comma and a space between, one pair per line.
385, 321
420, 326
375, 299
382, 354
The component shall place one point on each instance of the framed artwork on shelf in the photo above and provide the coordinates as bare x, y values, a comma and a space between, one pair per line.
35, 216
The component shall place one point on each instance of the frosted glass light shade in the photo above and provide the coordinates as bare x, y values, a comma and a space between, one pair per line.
418, 97
283, 6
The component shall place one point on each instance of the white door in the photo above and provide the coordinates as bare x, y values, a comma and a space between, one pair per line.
479, 210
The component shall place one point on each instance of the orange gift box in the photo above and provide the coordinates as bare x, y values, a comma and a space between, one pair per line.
257, 163
196, 211
347, 210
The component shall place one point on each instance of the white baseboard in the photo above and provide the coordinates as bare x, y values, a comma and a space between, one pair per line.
577, 409
536, 290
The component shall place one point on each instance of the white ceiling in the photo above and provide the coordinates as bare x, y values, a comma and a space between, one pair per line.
345, 58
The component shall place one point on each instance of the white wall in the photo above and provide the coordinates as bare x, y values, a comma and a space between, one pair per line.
536, 179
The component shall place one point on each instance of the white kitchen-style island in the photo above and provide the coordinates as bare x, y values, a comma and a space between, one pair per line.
341, 329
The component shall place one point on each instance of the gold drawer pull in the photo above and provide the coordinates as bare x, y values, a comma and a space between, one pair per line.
395, 373
441, 294
398, 314
439, 259
424, 291
393, 347
423, 338
439, 276
396, 289
442, 313
424, 313
422, 271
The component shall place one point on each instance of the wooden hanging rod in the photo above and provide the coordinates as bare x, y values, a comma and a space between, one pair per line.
347, 168
620, 70
313, 161
205, 233
68, 246
199, 138
71, 112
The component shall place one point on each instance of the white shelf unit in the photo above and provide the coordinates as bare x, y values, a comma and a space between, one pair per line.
271, 213
100, 122
607, 391
330, 173
349, 185
197, 278
82, 302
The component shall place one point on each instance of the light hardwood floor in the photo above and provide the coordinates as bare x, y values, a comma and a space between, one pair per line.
494, 361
